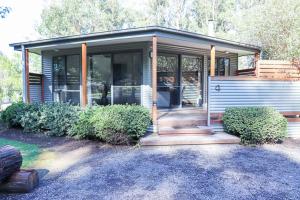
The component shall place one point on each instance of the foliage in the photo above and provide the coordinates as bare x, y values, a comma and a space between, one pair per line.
273, 24
116, 124
10, 76
69, 17
83, 128
12, 114
4, 10
52, 118
255, 125
30, 152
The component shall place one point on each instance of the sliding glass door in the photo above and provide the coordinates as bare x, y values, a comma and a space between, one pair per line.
115, 78
99, 79
179, 81
191, 81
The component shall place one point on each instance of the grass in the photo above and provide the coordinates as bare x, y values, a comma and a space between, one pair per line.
30, 152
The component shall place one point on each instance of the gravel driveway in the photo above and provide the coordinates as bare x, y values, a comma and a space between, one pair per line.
181, 172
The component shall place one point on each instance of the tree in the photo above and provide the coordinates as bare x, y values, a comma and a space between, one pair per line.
70, 17
4, 10
274, 25
10, 76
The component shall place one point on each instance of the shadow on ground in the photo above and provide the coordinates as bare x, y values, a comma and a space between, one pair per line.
187, 172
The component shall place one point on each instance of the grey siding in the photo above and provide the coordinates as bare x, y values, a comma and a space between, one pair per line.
146, 87
47, 72
282, 95
35, 93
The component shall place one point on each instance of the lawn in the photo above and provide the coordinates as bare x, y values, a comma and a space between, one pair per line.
30, 152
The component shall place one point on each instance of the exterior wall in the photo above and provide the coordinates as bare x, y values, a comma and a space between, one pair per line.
146, 90
35, 93
47, 72
234, 91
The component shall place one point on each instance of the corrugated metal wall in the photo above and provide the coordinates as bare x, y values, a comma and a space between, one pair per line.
35, 93
232, 92
47, 72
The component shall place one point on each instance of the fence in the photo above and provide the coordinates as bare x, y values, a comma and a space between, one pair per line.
36, 90
227, 92
273, 69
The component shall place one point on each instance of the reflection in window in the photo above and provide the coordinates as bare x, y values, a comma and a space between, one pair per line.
99, 80
127, 76
222, 66
66, 79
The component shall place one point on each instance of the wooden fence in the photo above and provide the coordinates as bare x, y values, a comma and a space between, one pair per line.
36, 88
274, 69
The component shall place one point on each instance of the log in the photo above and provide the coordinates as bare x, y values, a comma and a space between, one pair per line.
10, 161
22, 181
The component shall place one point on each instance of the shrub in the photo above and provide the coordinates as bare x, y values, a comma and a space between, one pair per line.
83, 128
52, 118
255, 125
120, 124
13, 113
57, 118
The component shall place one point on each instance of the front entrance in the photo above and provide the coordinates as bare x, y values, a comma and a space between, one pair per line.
179, 81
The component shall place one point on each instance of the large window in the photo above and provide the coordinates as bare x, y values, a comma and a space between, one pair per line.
222, 66
115, 78
66, 79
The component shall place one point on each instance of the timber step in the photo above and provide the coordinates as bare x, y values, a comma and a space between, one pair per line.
182, 122
204, 130
218, 138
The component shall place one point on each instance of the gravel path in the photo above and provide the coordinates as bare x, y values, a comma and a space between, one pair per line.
182, 172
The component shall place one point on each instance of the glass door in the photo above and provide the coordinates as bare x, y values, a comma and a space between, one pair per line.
191, 81
168, 88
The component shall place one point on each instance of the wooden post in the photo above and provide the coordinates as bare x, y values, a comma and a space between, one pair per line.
84, 75
212, 60
154, 82
27, 76
256, 65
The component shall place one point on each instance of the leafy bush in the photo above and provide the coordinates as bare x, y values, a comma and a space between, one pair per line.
116, 124
120, 124
83, 128
13, 113
255, 125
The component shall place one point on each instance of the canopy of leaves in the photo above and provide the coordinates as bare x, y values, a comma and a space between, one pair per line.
272, 24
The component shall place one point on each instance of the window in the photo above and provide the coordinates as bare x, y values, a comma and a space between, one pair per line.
127, 77
66, 79
115, 78
222, 66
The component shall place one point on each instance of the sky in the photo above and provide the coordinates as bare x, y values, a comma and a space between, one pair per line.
20, 23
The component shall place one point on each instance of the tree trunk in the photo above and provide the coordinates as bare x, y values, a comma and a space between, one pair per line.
10, 161
21, 182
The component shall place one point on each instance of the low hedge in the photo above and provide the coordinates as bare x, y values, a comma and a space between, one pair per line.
115, 124
255, 125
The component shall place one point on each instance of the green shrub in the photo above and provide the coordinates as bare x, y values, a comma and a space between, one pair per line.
57, 118
13, 113
255, 125
120, 124
83, 128
51, 118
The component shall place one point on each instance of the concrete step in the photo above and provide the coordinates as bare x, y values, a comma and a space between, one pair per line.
218, 138
202, 130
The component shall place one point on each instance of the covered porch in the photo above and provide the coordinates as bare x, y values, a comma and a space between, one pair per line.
163, 69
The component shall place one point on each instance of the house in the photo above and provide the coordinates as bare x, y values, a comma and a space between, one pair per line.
189, 72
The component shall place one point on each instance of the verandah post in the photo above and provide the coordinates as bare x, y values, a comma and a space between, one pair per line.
154, 83
256, 63
212, 60
25, 75
84, 75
